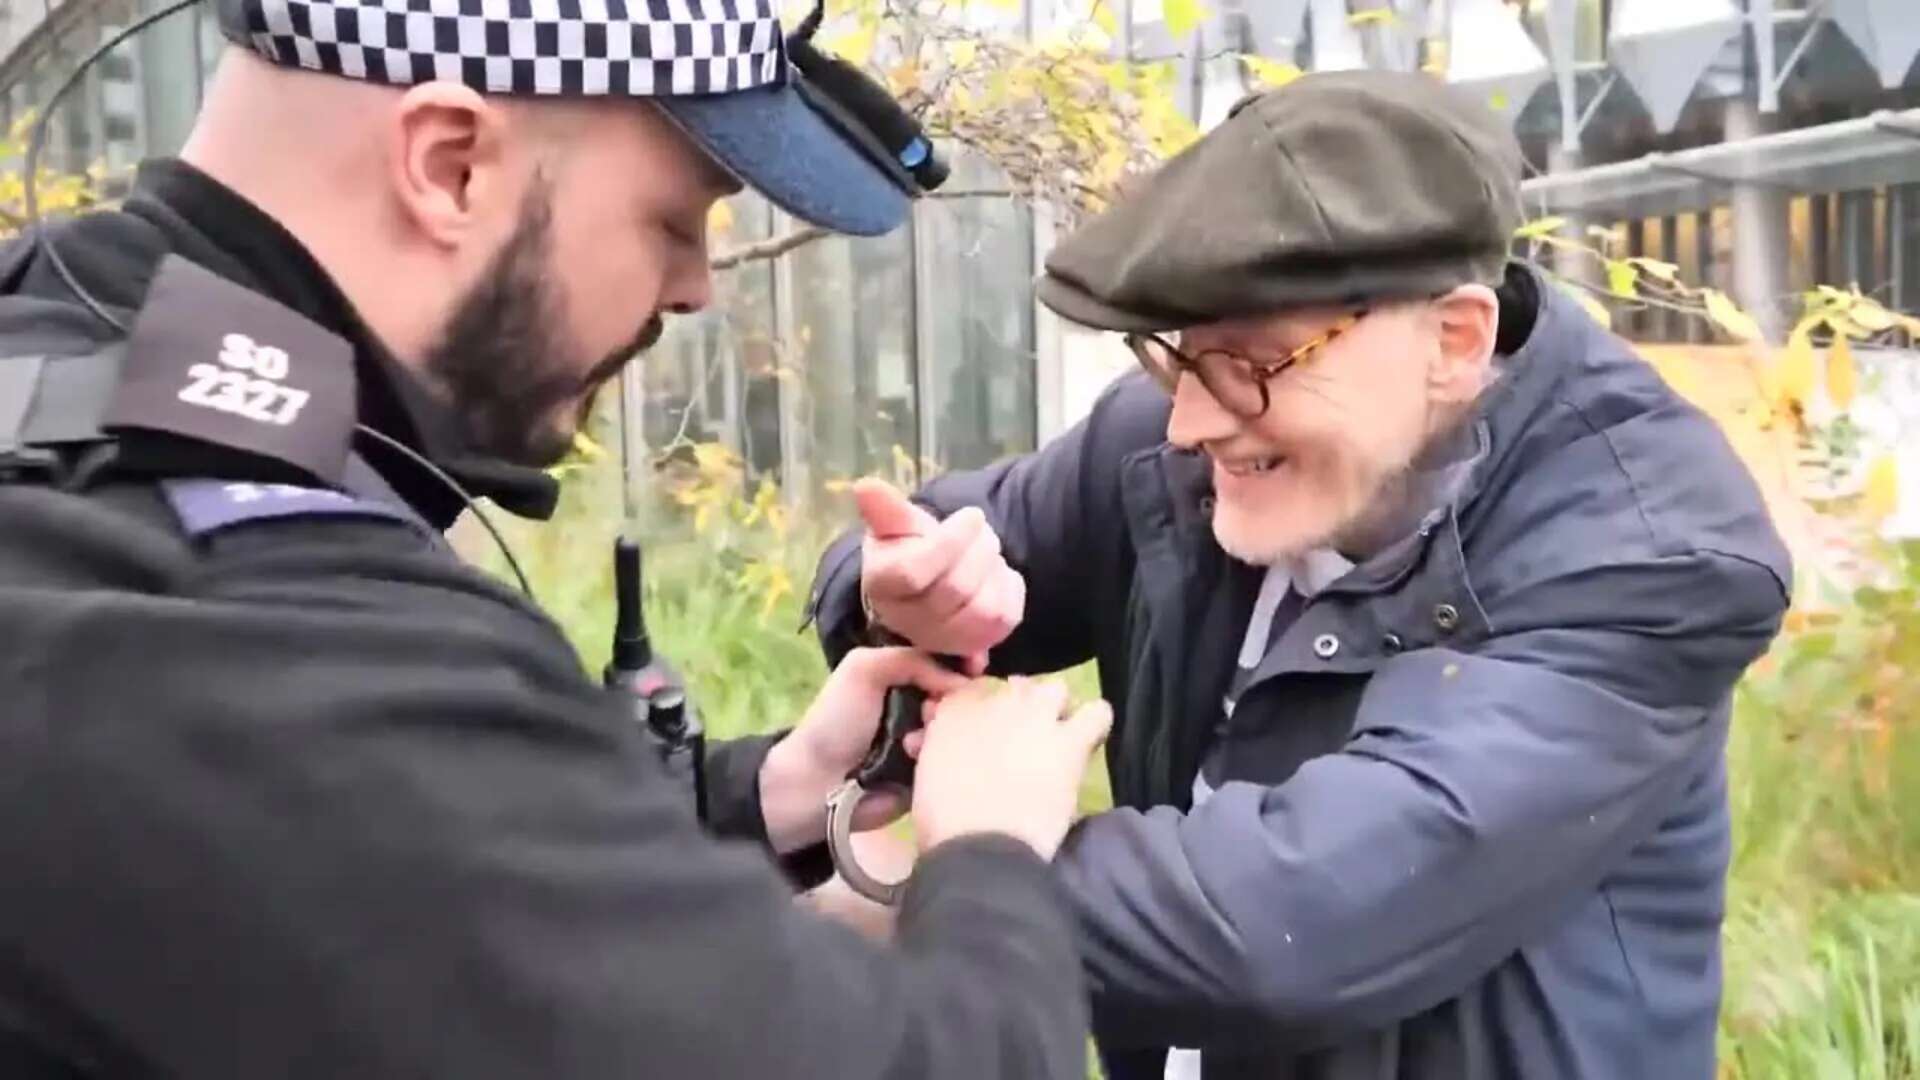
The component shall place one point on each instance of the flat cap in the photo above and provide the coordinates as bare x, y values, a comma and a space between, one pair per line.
1337, 187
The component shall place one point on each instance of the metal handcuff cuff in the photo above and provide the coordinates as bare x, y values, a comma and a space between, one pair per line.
887, 765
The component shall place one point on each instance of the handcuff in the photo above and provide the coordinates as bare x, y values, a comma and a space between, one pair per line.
886, 766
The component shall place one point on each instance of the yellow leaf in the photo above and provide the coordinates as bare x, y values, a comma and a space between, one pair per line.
1103, 17
1794, 375
1728, 317
1534, 230
1183, 16
963, 53
856, 46
1871, 316
586, 448
1621, 277
1843, 379
1500, 102
713, 458
1271, 74
1844, 326
1591, 304
1665, 271
904, 79
1882, 495
1383, 16
720, 218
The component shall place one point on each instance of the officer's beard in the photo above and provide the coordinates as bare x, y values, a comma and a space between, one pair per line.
506, 360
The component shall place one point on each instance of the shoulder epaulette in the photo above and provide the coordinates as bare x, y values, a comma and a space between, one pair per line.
214, 361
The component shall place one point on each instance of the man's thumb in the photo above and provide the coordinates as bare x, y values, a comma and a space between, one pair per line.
1091, 722
887, 513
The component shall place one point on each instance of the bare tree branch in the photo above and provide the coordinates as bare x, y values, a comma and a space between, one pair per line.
781, 245
769, 249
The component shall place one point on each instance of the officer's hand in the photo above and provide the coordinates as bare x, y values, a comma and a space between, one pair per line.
803, 769
1000, 758
942, 585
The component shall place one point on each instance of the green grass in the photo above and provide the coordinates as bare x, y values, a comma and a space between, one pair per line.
1822, 936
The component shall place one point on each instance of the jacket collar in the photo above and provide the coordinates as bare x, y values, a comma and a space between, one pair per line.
208, 223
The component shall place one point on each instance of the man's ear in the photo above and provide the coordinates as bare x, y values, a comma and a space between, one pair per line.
448, 161
1468, 320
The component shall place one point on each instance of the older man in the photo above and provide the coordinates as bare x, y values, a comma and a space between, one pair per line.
1420, 600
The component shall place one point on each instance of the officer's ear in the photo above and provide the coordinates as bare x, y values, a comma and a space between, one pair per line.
448, 162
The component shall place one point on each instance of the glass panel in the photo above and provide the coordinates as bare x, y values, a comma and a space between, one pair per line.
211, 43
121, 116
713, 377
978, 257
169, 81
853, 318
68, 145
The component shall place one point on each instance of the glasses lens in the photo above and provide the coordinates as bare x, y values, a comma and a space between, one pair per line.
1233, 383
1159, 360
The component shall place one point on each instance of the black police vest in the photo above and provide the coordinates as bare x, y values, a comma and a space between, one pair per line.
208, 366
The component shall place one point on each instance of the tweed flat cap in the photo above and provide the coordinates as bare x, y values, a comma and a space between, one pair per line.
1336, 187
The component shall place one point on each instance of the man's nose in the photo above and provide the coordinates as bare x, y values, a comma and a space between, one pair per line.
1197, 418
689, 284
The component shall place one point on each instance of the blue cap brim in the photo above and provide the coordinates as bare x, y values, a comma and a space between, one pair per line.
775, 142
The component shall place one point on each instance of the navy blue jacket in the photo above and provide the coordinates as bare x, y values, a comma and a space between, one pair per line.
1486, 834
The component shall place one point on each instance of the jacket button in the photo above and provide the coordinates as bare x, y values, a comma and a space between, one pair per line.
1392, 644
1326, 646
1446, 617
1206, 505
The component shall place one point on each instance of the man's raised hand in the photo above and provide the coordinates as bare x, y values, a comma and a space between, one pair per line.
942, 585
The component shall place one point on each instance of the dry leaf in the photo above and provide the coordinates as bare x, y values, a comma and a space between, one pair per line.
1794, 375
1270, 73
1534, 230
1882, 496
1183, 16
1104, 18
1665, 271
1621, 278
1871, 316
856, 46
1843, 379
1727, 316
586, 448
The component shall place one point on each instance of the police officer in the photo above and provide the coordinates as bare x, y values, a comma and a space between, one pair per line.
288, 790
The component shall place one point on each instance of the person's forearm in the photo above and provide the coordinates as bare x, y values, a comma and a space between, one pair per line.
737, 808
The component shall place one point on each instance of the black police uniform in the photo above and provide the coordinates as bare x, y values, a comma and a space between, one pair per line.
290, 792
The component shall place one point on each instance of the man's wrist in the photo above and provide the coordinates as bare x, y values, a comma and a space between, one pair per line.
793, 799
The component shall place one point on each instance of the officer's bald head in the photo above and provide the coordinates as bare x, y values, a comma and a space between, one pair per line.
578, 222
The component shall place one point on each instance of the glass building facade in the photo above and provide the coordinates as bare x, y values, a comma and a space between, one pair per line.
1649, 117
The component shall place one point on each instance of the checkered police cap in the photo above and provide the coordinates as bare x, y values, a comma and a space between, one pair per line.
639, 48
719, 68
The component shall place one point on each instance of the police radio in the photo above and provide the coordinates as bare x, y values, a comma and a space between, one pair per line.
655, 691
